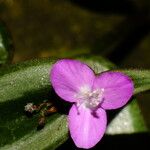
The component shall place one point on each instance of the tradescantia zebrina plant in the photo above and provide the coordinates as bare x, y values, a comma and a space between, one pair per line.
29, 82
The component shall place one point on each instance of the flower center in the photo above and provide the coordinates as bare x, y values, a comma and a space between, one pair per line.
89, 98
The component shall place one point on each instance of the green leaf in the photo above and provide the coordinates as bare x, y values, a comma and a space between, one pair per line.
29, 82
6, 48
129, 120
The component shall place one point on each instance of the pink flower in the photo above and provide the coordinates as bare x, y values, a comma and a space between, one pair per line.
91, 95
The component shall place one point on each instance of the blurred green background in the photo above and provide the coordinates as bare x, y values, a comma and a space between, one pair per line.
117, 30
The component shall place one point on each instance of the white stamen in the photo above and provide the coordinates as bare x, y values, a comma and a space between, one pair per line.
89, 98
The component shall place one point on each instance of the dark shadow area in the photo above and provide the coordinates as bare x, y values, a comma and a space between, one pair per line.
109, 6
123, 39
138, 28
116, 142
126, 36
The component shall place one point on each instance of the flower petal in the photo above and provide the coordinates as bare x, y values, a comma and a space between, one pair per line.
118, 89
68, 76
86, 128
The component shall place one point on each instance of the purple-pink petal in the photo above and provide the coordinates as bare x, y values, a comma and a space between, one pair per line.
118, 89
86, 127
67, 76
